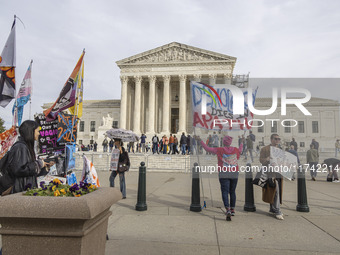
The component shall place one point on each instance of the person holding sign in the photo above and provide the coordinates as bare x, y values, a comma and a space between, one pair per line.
120, 163
228, 172
272, 192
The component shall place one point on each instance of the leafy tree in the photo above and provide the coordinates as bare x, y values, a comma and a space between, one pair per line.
2, 125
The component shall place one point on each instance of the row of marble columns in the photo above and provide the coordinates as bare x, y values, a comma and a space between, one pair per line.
152, 101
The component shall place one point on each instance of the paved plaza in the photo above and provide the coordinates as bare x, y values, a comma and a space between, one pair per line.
168, 227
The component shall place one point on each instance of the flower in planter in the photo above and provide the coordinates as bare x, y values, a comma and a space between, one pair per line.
42, 184
58, 189
28, 186
56, 193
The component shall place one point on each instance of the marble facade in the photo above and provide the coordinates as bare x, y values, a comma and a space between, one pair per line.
156, 86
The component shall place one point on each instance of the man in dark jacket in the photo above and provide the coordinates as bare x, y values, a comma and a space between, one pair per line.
155, 141
272, 195
188, 144
316, 144
183, 143
111, 143
294, 144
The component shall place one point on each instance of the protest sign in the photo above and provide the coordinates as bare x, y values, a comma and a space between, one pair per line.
212, 107
48, 134
283, 162
114, 159
66, 123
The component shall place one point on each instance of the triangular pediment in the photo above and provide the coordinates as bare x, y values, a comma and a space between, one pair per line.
175, 53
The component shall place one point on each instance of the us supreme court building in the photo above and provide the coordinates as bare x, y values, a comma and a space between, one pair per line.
156, 99
156, 94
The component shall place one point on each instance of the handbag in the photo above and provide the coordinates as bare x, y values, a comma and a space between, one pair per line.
260, 179
122, 167
6, 181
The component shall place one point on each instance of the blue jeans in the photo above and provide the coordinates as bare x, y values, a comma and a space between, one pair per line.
171, 148
121, 181
154, 148
228, 182
183, 148
336, 151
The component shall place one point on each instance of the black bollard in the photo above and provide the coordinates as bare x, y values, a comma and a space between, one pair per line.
302, 205
141, 196
249, 205
195, 191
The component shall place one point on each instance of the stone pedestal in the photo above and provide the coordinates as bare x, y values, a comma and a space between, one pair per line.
56, 225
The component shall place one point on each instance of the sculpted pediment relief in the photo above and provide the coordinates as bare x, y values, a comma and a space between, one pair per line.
175, 52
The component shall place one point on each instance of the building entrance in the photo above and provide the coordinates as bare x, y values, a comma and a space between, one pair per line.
174, 120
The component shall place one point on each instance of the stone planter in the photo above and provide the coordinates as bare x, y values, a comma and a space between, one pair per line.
56, 225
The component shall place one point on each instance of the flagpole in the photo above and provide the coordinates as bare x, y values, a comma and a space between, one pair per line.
15, 117
30, 109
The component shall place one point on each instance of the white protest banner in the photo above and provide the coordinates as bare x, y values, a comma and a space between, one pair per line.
114, 159
283, 162
213, 106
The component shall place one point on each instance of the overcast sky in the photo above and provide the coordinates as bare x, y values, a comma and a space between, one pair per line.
298, 38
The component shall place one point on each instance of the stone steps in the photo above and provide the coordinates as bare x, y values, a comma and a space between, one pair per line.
165, 162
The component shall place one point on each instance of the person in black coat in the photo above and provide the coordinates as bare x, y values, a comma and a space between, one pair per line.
123, 166
23, 165
183, 143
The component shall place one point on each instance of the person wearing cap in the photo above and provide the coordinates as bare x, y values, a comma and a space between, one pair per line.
227, 157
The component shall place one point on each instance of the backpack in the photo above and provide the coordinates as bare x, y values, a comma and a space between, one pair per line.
154, 139
6, 181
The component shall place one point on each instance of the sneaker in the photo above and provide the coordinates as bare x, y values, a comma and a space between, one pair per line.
272, 212
232, 211
228, 216
313, 178
279, 217
336, 181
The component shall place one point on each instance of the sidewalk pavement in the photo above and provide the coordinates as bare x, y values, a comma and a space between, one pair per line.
168, 227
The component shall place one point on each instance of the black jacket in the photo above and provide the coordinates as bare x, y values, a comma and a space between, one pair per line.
124, 157
183, 140
22, 168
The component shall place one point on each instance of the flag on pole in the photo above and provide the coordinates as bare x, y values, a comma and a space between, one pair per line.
77, 109
7, 70
24, 95
89, 174
66, 97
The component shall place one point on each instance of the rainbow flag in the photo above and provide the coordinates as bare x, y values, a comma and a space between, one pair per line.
77, 109
67, 95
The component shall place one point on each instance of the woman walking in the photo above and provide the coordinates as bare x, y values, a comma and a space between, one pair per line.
228, 172
23, 165
123, 166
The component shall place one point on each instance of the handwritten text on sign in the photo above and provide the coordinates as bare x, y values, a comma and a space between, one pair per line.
213, 108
